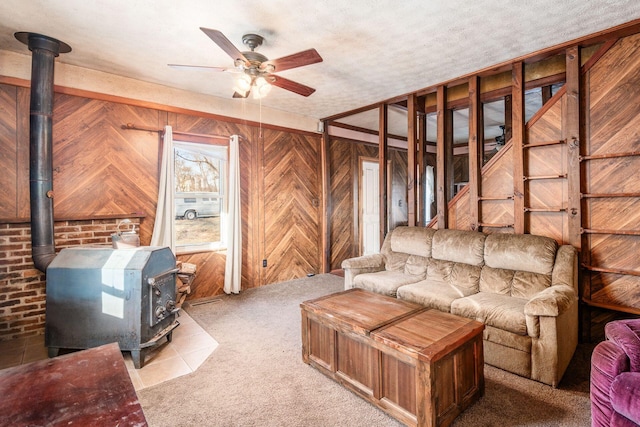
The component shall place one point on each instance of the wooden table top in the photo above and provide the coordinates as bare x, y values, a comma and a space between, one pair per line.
430, 334
86, 388
360, 310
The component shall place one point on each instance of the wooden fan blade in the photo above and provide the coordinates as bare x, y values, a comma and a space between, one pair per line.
238, 95
224, 43
290, 85
299, 59
202, 67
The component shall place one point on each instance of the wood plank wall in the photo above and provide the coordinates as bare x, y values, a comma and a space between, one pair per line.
102, 169
345, 156
612, 243
610, 186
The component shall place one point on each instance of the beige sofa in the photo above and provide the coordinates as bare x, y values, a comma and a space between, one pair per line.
524, 288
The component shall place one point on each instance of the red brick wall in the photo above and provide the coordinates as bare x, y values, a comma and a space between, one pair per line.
22, 287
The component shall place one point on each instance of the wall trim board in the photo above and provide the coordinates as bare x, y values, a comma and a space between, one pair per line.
14, 81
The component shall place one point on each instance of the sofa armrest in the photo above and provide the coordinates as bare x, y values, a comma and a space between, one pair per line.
363, 264
565, 269
553, 301
373, 261
625, 395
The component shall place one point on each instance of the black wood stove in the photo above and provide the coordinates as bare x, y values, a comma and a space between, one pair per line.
99, 295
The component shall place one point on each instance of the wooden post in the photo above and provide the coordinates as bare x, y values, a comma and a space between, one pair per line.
517, 136
382, 161
441, 198
449, 157
571, 132
508, 118
476, 139
412, 145
326, 199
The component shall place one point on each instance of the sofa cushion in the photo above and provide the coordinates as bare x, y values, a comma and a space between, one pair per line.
496, 280
431, 294
500, 311
463, 277
459, 246
526, 284
384, 282
396, 261
412, 240
520, 252
416, 265
625, 395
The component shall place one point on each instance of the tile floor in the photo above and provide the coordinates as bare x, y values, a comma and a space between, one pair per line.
189, 348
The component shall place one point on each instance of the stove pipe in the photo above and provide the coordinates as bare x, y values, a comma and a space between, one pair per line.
44, 50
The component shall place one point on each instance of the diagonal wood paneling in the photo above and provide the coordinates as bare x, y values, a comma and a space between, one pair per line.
614, 127
497, 182
341, 184
541, 161
344, 161
291, 205
99, 168
8, 152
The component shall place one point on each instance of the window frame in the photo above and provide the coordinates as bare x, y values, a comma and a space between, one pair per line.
220, 245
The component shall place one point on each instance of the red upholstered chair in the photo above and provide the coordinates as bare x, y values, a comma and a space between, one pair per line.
615, 376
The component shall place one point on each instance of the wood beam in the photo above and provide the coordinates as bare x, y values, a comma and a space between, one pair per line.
508, 118
412, 145
476, 144
382, 161
326, 207
571, 133
441, 197
449, 147
364, 130
517, 137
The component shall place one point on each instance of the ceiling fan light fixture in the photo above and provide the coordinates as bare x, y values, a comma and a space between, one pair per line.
243, 84
262, 87
252, 65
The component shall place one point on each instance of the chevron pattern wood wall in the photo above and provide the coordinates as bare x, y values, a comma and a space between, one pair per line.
99, 168
102, 169
291, 201
345, 158
613, 123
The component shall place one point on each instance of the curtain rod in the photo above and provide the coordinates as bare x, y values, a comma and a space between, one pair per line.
131, 126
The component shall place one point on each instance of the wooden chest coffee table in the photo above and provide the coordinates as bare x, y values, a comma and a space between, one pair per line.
421, 366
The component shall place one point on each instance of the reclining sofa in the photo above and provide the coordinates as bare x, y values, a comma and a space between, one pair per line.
524, 288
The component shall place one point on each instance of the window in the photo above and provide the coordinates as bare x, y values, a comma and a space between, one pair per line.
199, 196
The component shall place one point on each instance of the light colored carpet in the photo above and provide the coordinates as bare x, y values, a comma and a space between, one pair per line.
256, 376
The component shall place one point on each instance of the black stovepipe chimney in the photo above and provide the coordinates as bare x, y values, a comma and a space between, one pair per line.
44, 50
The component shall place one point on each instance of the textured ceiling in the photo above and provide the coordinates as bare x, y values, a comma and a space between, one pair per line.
372, 50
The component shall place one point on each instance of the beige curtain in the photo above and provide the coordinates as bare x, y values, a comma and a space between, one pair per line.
163, 228
233, 268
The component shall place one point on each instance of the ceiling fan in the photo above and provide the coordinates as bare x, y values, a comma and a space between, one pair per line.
256, 70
